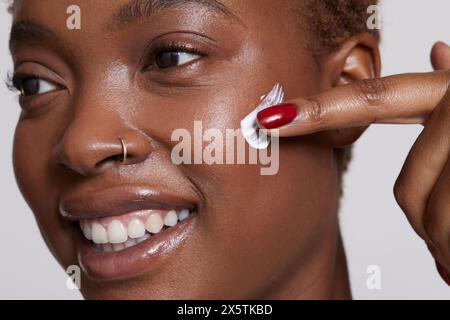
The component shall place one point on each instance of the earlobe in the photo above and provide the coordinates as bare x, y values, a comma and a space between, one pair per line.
356, 59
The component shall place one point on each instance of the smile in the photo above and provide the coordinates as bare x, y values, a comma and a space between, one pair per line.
113, 234
124, 231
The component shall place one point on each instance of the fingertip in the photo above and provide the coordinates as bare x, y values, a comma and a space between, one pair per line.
277, 116
441, 43
440, 56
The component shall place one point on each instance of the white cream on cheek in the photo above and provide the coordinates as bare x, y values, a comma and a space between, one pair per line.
249, 125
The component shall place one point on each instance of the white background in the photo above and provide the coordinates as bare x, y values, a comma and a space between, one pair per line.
375, 230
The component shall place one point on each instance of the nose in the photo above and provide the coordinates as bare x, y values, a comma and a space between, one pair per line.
90, 145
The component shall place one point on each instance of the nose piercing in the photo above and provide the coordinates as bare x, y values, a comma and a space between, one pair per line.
124, 150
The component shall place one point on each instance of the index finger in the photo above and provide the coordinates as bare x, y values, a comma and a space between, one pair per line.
399, 99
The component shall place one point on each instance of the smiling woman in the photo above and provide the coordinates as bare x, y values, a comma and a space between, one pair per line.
130, 72
104, 101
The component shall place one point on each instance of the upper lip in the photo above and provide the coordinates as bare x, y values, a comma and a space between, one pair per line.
117, 201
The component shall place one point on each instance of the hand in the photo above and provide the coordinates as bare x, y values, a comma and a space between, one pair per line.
423, 187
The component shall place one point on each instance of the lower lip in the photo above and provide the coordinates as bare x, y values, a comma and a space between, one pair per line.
134, 260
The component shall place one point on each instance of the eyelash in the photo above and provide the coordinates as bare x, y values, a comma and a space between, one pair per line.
170, 47
9, 81
13, 80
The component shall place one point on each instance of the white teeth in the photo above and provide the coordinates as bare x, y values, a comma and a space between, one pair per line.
86, 228
136, 228
154, 223
171, 218
184, 214
118, 236
117, 233
99, 234
88, 232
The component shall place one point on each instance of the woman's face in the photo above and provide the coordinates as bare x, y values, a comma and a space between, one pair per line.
249, 235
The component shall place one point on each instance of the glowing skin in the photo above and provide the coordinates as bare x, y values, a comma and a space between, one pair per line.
250, 236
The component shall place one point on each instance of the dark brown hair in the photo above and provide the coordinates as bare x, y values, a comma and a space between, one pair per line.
333, 21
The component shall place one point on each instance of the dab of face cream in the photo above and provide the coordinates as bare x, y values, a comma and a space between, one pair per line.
249, 125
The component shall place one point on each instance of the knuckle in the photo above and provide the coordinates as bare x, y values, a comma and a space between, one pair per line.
410, 208
373, 92
402, 197
316, 113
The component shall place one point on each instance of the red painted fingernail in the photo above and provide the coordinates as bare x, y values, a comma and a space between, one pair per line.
277, 116
444, 275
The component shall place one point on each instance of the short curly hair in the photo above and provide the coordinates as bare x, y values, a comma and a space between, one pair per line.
333, 21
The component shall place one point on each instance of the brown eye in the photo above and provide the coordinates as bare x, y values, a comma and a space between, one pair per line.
29, 86
170, 59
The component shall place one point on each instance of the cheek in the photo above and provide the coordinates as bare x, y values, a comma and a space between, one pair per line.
293, 199
32, 163
29, 156
268, 223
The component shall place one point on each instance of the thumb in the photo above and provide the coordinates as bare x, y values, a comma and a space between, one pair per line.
440, 56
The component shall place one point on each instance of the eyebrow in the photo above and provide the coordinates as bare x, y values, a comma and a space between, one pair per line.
131, 12
29, 30
135, 10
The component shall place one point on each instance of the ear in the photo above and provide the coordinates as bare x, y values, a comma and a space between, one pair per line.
356, 59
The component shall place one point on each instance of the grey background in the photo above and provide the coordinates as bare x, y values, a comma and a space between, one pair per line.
375, 230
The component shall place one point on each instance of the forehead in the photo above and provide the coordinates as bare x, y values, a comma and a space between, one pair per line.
107, 15
226, 7
102, 20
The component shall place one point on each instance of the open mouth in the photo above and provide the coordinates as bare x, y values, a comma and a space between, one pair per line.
124, 231
114, 234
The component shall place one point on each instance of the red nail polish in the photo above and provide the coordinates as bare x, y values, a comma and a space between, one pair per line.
277, 116
444, 275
